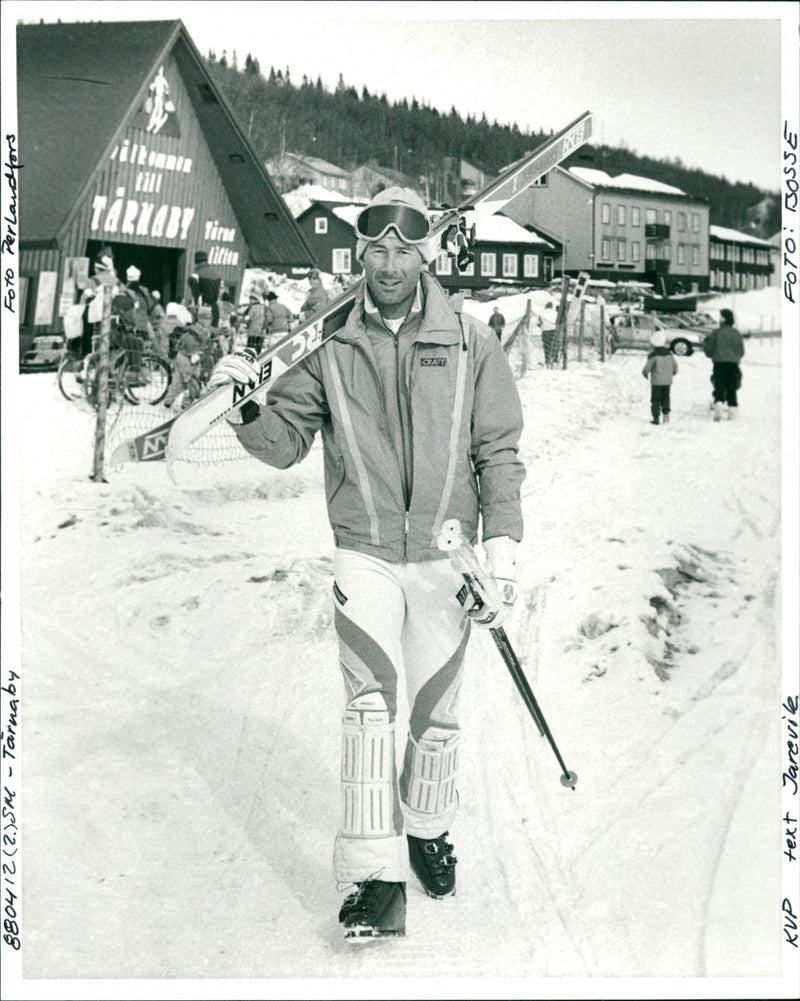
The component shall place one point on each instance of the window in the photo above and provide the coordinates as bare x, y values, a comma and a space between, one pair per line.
444, 264
636, 250
530, 265
320, 224
510, 266
605, 249
605, 212
650, 251
341, 260
469, 269
695, 222
489, 265
621, 215
635, 216
695, 254
667, 217
540, 182
621, 249
681, 222
649, 216
681, 252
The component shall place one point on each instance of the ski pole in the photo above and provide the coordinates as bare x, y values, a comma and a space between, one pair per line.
464, 560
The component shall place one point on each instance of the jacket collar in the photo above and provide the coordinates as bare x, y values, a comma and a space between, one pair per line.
438, 324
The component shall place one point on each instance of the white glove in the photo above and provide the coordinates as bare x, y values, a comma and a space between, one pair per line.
501, 553
239, 367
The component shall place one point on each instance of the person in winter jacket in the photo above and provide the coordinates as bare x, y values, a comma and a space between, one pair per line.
186, 370
549, 335
255, 319
278, 318
725, 347
204, 285
497, 322
317, 297
420, 422
661, 367
142, 301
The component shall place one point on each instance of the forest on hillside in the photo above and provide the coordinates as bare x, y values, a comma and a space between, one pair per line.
348, 128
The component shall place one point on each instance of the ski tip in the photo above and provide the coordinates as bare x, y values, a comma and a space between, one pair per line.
569, 780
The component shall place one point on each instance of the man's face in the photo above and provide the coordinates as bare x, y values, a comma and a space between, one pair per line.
392, 268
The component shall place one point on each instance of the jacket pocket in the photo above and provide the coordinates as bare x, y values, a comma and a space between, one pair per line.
338, 476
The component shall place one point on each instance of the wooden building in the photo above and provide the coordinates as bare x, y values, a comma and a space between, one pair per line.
329, 229
288, 170
370, 178
505, 254
128, 143
624, 228
738, 261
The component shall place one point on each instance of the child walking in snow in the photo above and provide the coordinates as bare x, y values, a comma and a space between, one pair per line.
660, 367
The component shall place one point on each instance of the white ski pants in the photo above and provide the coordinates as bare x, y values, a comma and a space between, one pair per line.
395, 619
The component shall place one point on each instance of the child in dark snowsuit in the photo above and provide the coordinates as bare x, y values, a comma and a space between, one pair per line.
660, 367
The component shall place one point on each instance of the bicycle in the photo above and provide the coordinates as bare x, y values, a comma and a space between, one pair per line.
134, 375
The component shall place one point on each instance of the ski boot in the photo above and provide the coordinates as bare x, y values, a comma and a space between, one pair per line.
375, 910
434, 865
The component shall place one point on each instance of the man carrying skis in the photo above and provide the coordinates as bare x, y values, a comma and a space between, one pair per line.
420, 423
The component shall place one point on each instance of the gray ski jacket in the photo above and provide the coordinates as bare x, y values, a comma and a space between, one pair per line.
440, 442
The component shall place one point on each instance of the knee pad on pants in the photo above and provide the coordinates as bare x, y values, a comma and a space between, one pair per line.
430, 772
367, 767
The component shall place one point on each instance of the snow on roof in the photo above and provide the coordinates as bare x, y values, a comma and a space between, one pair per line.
500, 229
300, 198
734, 236
600, 179
348, 213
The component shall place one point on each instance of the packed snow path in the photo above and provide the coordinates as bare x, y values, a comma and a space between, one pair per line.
182, 699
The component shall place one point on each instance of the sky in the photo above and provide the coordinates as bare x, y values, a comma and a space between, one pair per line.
698, 81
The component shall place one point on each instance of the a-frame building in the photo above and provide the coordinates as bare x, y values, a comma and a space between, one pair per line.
127, 142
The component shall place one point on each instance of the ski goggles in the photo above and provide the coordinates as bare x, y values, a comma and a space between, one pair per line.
412, 226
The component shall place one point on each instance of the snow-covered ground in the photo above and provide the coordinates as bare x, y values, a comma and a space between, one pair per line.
182, 697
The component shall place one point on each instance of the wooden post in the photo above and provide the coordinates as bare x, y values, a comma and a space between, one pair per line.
102, 387
561, 321
581, 317
602, 332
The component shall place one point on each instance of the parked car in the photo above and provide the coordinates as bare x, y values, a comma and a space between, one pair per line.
632, 331
43, 353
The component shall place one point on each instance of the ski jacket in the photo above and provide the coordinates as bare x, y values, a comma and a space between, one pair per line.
316, 300
661, 366
724, 344
439, 442
279, 317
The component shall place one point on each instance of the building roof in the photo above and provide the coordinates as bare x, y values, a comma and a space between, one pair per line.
400, 179
76, 86
734, 236
306, 195
498, 228
315, 162
501, 229
631, 182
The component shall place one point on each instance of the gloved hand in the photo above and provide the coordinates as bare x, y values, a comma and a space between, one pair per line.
238, 367
501, 553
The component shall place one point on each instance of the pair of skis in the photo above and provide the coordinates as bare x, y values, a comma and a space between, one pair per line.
483, 588
170, 439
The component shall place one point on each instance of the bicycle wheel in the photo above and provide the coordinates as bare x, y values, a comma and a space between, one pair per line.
70, 378
148, 384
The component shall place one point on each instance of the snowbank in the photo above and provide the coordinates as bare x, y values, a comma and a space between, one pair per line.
182, 700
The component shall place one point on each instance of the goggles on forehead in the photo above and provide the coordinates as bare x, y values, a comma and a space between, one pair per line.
411, 225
